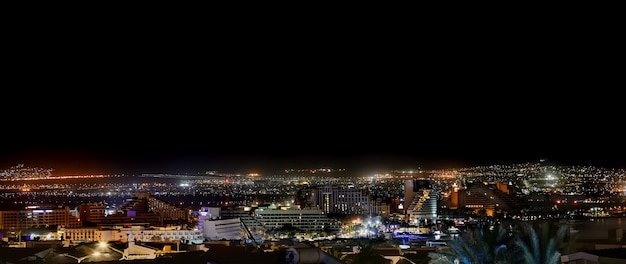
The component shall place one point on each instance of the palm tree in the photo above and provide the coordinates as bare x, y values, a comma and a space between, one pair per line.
478, 246
540, 243
529, 244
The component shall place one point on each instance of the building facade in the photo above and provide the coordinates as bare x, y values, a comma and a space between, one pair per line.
92, 212
144, 208
305, 220
228, 229
422, 202
134, 234
342, 200
37, 216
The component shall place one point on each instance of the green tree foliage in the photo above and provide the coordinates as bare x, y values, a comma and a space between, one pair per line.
523, 244
478, 246
540, 243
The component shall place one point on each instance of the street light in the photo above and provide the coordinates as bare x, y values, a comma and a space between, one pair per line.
104, 245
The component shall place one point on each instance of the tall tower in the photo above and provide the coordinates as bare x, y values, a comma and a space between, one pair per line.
454, 197
422, 201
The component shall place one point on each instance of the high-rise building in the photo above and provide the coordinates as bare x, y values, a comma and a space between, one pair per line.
454, 197
422, 202
344, 200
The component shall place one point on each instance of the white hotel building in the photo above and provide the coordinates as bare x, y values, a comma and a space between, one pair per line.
306, 220
93, 234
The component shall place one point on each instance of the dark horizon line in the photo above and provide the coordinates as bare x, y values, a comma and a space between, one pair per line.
278, 169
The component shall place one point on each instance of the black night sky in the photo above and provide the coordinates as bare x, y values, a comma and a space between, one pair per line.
176, 134
376, 99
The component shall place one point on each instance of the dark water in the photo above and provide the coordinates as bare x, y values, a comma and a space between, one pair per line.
609, 229
601, 230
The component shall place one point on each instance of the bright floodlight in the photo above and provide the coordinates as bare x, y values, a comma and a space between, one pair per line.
103, 244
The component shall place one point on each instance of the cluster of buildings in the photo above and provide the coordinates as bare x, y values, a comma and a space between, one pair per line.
313, 209
254, 209
316, 212
144, 218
